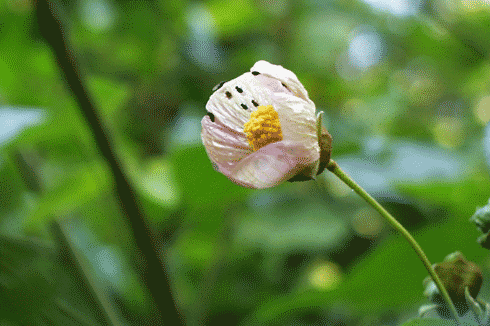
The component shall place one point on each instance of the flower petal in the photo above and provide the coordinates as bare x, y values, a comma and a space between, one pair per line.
273, 164
233, 103
286, 77
230, 107
298, 120
297, 116
224, 146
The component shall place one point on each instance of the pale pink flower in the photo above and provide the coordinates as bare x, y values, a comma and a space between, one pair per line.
261, 128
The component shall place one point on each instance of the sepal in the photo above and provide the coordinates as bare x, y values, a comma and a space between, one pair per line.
479, 308
324, 141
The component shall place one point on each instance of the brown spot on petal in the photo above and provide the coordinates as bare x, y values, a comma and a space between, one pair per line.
255, 73
239, 90
228, 94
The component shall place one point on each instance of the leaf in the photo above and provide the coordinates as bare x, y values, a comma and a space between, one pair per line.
234, 18
42, 285
85, 183
430, 322
156, 183
26, 268
200, 183
77, 290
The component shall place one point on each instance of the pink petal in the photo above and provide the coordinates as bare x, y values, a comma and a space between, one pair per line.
273, 164
224, 146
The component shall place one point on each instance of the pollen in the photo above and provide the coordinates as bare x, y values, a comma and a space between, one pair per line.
263, 128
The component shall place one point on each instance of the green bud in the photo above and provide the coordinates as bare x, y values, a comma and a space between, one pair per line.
456, 273
482, 218
484, 241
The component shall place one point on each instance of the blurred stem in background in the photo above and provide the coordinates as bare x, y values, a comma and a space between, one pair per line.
335, 169
215, 267
154, 272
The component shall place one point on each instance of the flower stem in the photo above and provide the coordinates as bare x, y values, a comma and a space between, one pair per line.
335, 169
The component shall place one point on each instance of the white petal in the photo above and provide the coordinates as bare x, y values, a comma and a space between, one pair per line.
297, 115
273, 164
296, 111
298, 120
224, 146
233, 103
283, 75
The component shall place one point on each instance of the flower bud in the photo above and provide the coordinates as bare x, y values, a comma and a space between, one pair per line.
261, 130
456, 273
482, 220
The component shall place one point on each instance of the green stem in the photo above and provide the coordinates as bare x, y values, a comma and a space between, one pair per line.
335, 169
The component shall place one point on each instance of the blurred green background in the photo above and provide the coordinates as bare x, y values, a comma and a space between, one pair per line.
405, 87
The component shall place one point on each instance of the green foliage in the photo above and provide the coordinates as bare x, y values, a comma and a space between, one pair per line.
37, 288
431, 322
301, 253
83, 186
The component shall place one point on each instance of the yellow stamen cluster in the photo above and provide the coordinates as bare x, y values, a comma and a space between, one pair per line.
263, 127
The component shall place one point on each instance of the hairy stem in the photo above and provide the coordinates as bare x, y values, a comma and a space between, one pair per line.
335, 169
